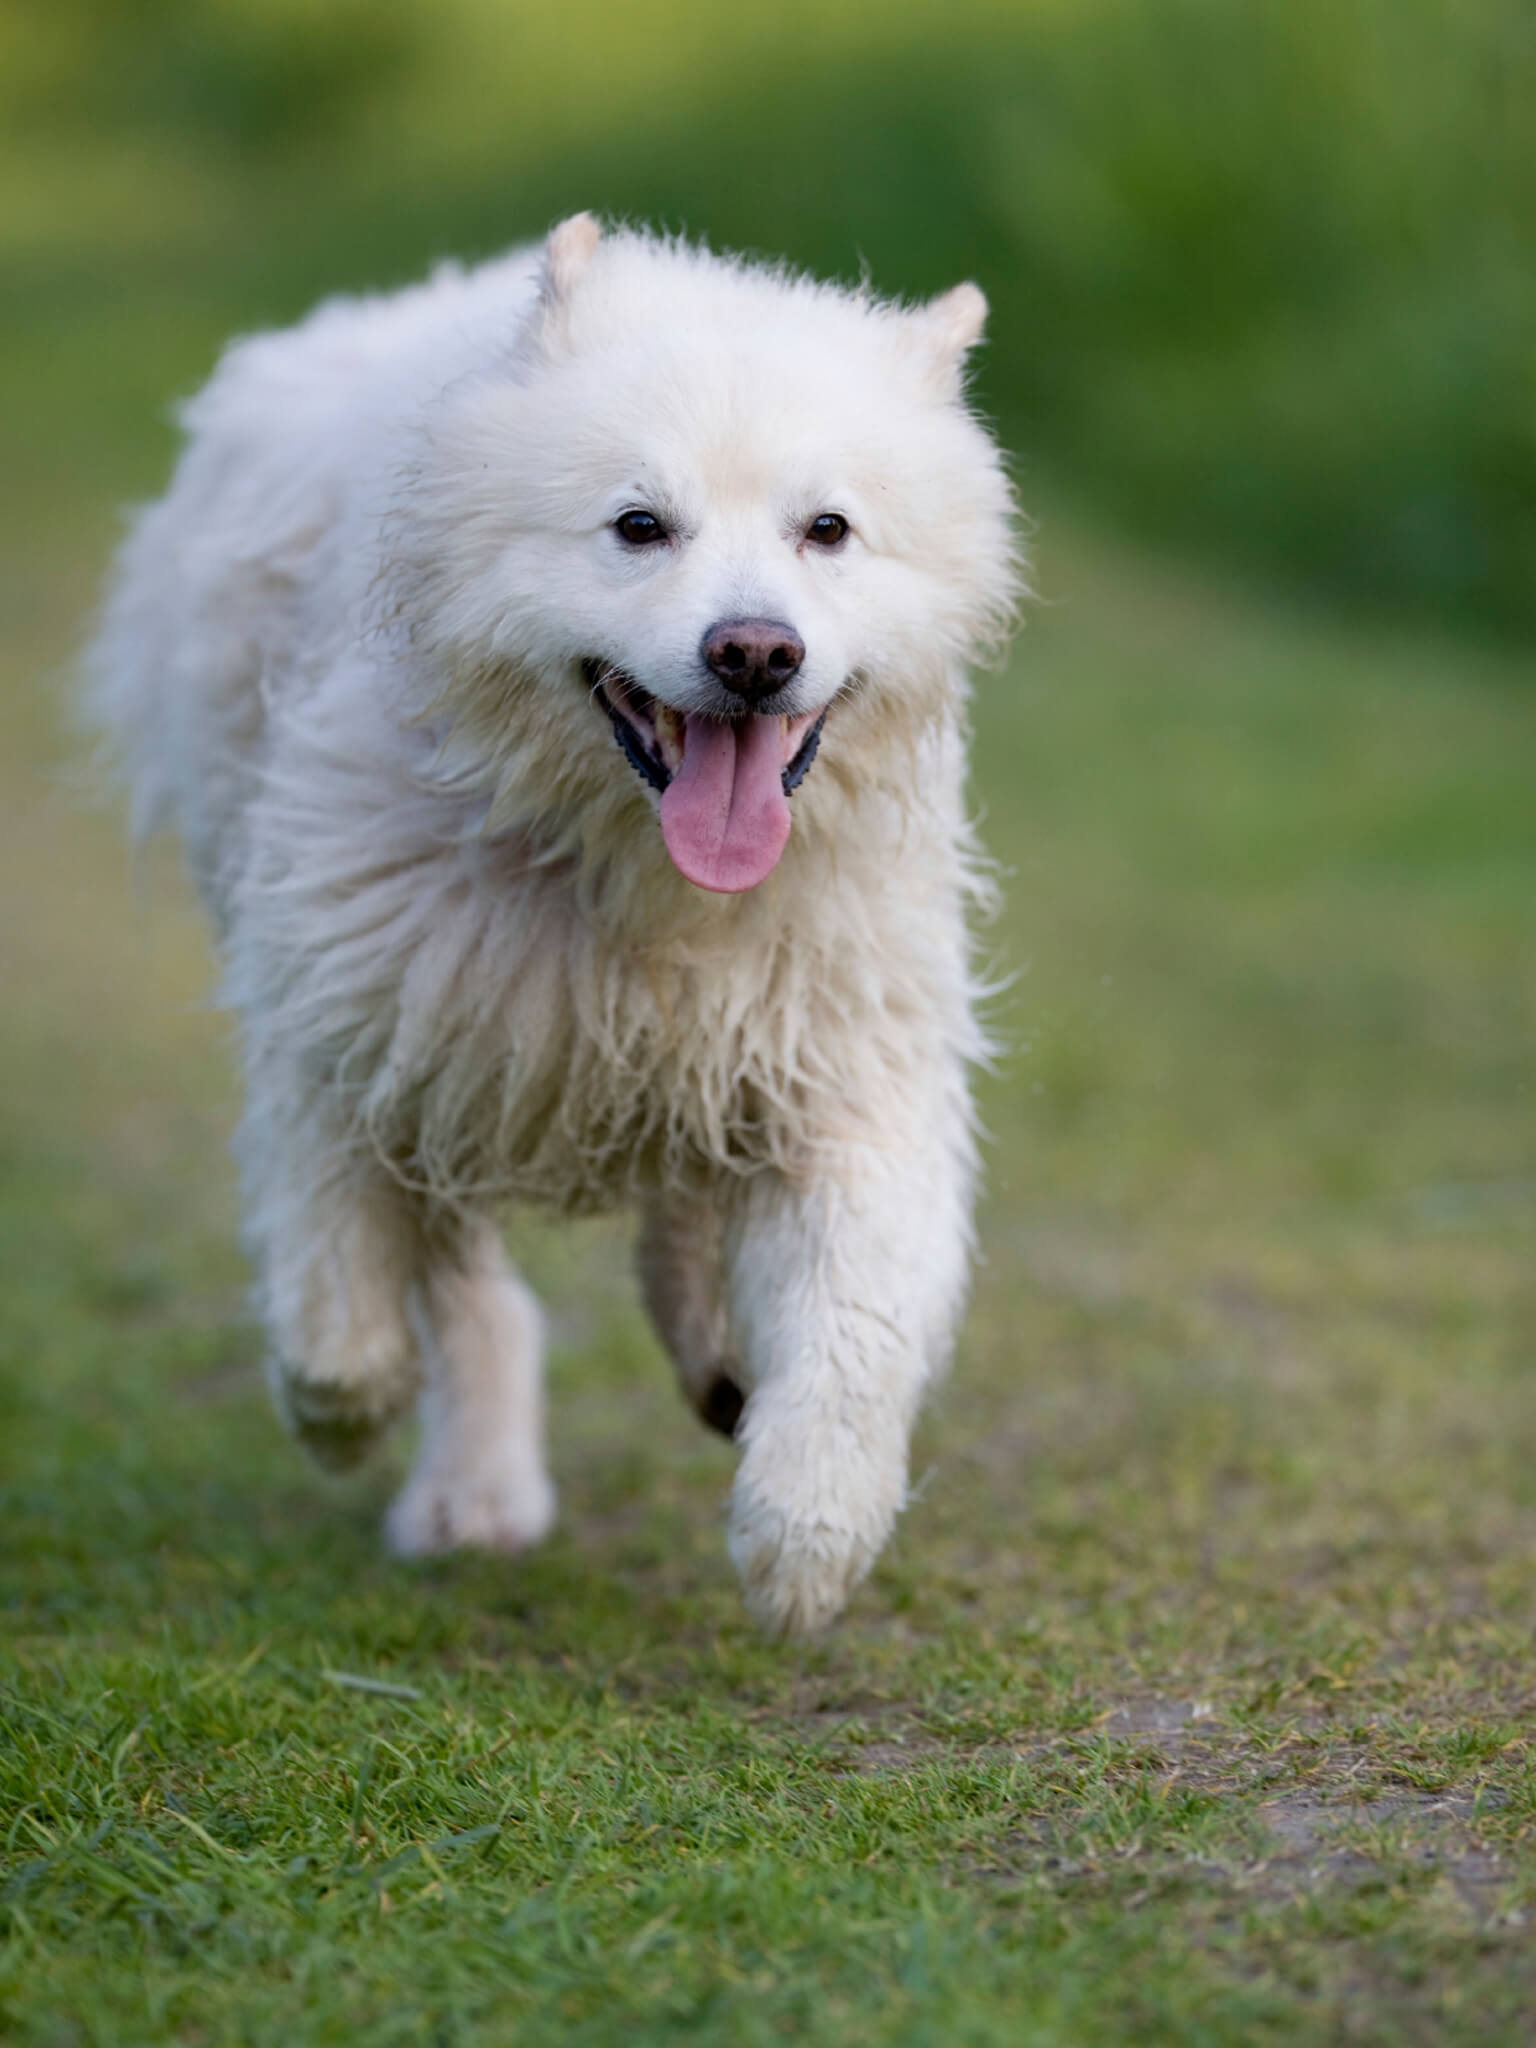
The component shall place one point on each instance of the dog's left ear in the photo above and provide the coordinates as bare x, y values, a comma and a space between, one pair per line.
949, 327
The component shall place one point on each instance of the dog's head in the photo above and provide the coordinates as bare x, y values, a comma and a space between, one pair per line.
700, 520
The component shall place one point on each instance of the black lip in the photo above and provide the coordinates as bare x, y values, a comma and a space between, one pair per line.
648, 764
798, 766
640, 758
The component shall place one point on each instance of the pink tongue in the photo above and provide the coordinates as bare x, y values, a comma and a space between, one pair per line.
724, 814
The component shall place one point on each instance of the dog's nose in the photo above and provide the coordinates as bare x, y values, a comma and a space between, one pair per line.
753, 657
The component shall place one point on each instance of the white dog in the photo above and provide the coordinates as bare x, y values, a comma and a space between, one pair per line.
556, 673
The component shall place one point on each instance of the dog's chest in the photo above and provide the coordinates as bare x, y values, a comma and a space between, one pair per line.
573, 1070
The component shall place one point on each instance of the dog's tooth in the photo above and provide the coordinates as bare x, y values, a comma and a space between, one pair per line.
669, 735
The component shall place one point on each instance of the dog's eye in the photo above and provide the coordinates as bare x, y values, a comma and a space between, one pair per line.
638, 529
827, 530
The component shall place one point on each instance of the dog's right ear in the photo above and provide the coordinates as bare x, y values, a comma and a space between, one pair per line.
569, 249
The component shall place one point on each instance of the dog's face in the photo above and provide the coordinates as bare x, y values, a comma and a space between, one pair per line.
710, 521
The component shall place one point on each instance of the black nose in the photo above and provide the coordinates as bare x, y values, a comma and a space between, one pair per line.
753, 657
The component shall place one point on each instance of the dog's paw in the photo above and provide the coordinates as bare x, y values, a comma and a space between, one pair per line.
484, 1510
797, 1577
339, 1421
802, 1550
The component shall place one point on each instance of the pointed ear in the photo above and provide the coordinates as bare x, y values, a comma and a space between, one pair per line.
950, 326
567, 253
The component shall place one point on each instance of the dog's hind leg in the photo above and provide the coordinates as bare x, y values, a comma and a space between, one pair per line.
682, 1278
479, 1478
338, 1255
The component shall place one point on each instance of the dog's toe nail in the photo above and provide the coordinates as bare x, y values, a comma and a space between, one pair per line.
722, 1404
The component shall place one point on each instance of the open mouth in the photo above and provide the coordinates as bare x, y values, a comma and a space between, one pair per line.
724, 783
653, 736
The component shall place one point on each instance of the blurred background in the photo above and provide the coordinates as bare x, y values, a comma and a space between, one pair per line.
1259, 772
1263, 274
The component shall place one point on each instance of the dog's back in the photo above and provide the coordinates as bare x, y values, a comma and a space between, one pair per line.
213, 612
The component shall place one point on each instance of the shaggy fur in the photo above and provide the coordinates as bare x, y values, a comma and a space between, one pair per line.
354, 656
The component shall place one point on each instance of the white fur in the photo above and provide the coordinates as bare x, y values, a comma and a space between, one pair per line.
343, 656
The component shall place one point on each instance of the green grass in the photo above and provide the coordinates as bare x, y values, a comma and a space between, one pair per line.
1192, 1702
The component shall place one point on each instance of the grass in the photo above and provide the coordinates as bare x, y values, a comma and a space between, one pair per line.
1192, 1702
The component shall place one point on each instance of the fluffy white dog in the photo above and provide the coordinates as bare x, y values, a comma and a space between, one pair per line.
556, 673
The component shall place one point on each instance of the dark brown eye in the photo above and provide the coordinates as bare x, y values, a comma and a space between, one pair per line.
639, 529
827, 530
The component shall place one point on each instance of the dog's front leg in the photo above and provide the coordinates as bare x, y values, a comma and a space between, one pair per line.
843, 1297
479, 1478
